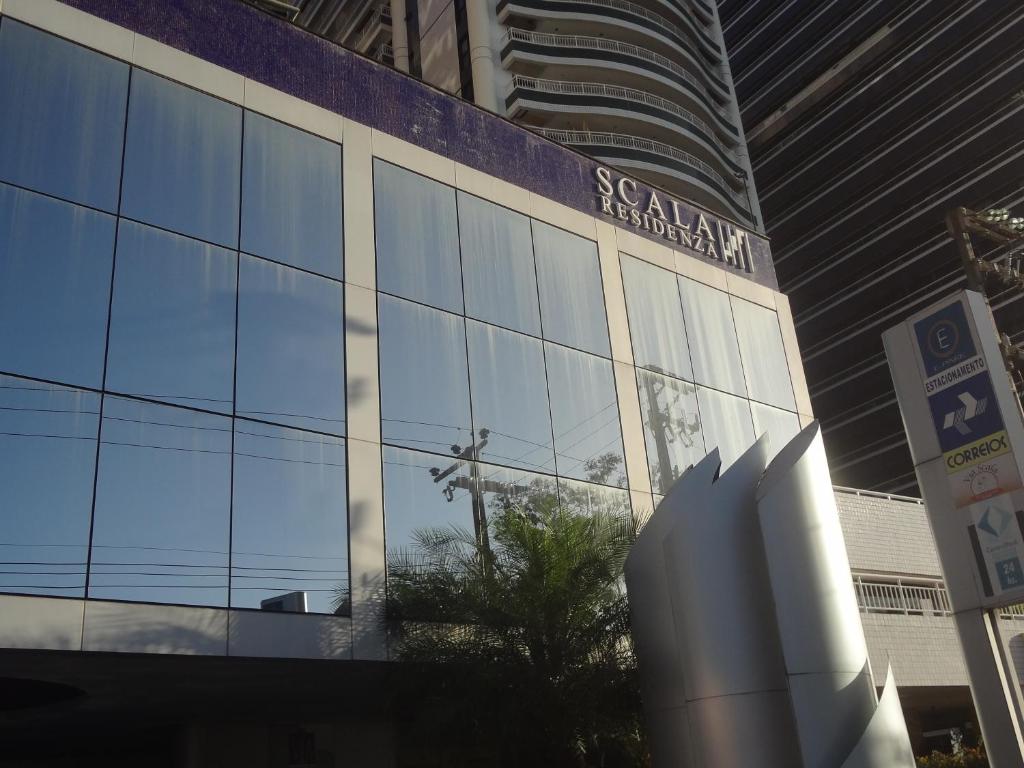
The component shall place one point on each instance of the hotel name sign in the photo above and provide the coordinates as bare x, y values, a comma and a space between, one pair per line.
679, 224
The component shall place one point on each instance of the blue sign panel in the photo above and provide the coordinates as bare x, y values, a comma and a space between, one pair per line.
944, 339
965, 412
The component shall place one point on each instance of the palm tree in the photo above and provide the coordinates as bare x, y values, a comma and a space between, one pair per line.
517, 651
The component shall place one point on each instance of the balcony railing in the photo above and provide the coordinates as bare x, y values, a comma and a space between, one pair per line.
911, 597
384, 53
381, 17
602, 90
654, 18
582, 42
600, 139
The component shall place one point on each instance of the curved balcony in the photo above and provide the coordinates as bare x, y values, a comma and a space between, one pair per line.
621, 150
695, 17
631, 16
562, 97
542, 47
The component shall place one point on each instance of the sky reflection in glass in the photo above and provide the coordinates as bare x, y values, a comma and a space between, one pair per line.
510, 398
585, 416
291, 196
172, 327
291, 347
55, 262
712, 337
417, 234
498, 272
571, 292
727, 424
183, 160
290, 526
163, 496
47, 459
424, 378
655, 319
62, 111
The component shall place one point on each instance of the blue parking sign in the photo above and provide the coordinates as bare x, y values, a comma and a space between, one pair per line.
944, 338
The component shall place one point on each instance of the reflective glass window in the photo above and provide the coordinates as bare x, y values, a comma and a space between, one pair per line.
423, 493
764, 357
182, 160
589, 499
498, 273
163, 500
47, 462
424, 377
712, 336
727, 424
781, 426
291, 196
672, 427
503, 489
417, 233
289, 536
62, 110
655, 319
510, 398
172, 322
55, 262
585, 416
291, 347
571, 292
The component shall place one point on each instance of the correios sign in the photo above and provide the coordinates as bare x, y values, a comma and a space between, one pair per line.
621, 198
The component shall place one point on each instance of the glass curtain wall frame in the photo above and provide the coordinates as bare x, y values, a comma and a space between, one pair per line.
173, 298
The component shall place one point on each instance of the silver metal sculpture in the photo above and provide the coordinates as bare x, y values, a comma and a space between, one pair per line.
746, 625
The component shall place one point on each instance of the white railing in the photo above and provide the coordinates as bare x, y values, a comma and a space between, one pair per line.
877, 494
911, 597
385, 52
570, 88
601, 139
636, 10
612, 46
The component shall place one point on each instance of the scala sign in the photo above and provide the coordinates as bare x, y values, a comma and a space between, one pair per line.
676, 222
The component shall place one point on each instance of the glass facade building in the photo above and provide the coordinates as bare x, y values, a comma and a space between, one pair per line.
173, 349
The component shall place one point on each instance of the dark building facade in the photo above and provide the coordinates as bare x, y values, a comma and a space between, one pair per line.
866, 122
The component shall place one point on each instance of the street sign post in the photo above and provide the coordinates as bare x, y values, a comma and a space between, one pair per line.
966, 435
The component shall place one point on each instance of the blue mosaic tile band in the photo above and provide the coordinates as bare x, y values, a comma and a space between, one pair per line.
240, 38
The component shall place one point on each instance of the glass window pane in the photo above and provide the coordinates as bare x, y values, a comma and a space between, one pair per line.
497, 265
589, 499
182, 160
291, 196
585, 417
424, 377
47, 463
764, 357
417, 234
510, 397
289, 549
503, 489
62, 111
672, 427
712, 337
781, 426
571, 292
727, 424
172, 327
422, 493
162, 505
655, 319
55, 262
291, 347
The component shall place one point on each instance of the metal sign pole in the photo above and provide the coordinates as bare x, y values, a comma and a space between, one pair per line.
966, 436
